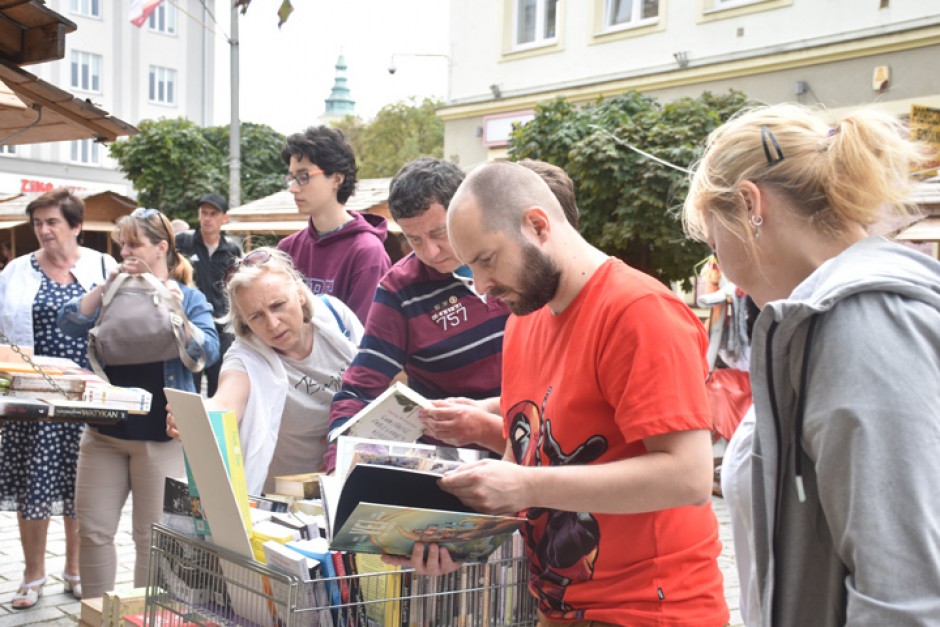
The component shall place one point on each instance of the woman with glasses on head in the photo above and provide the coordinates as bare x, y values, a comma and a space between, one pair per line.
136, 455
291, 349
845, 362
38, 459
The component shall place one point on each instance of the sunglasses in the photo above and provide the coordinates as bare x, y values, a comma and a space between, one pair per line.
146, 214
301, 178
256, 258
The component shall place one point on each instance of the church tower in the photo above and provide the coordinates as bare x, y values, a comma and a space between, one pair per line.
339, 104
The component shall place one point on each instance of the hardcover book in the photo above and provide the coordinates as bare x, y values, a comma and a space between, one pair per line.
393, 415
386, 509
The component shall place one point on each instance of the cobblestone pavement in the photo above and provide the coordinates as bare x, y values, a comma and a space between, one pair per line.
58, 608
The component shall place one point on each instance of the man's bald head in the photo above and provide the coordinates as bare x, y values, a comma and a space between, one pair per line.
502, 192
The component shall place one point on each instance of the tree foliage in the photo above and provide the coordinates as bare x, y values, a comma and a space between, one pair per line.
629, 203
399, 133
172, 162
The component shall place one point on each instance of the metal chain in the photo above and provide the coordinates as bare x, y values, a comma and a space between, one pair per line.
39, 369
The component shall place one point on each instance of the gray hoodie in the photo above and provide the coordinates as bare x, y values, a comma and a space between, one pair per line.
861, 336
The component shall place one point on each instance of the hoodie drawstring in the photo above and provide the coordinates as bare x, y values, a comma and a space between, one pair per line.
801, 411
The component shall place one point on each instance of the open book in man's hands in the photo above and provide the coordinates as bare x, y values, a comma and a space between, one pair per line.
393, 415
386, 509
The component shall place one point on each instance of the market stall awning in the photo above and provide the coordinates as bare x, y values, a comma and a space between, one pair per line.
281, 227
33, 111
30, 32
99, 226
11, 224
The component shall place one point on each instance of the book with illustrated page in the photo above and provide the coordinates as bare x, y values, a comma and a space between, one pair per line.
386, 509
351, 450
393, 415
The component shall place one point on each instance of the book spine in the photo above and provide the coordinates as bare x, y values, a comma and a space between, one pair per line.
91, 415
23, 411
405, 594
225, 426
355, 590
343, 618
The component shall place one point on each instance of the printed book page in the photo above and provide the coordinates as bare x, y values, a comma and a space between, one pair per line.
393, 415
371, 450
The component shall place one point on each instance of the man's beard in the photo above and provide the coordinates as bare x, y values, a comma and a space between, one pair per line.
538, 281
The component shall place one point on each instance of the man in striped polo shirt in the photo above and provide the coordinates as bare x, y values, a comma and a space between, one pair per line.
427, 323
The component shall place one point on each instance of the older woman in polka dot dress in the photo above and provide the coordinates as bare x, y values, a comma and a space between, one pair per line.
38, 459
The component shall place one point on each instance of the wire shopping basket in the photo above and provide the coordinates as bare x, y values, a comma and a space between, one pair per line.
195, 583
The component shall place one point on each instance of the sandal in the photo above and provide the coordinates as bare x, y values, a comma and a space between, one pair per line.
27, 595
73, 584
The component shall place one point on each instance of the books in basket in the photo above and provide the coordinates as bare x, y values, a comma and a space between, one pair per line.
351, 450
393, 415
386, 509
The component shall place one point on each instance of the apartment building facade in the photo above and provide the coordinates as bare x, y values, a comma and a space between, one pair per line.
162, 69
509, 55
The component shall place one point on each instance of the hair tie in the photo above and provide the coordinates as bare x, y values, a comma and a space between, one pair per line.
832, 131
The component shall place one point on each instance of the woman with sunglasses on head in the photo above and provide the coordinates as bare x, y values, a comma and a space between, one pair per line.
845, 362
134, 456
290, 351
38, 459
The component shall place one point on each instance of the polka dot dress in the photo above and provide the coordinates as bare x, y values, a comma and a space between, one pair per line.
38, 459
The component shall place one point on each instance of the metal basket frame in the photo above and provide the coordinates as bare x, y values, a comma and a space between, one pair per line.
193, 582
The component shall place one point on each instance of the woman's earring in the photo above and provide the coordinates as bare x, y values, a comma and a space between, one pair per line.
756, 222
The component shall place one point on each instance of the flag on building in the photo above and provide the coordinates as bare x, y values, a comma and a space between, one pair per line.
141, 10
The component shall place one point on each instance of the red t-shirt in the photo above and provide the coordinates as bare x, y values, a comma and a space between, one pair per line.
623, 362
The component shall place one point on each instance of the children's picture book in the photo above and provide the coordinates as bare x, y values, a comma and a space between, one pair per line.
386, 509
393, 415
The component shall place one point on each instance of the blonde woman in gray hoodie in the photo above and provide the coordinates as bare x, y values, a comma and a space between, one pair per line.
845, 362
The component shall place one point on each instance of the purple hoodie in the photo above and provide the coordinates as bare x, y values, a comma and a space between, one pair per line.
347, 263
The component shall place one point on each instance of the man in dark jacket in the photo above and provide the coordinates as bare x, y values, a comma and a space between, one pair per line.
211, 254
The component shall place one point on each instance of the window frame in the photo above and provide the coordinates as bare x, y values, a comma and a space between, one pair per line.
8, 150
608, 26
75, 8
85, 58
540, 15
80, 147
154, 81
164, 9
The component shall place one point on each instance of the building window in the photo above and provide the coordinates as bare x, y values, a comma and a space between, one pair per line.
163, 19
86, 71
162, 85
6, 149
535, 22
85, 151
88, 8
630, 12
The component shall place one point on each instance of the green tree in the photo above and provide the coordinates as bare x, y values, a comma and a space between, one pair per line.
262, 171
629, 203
352, 127
399, 133
172, 162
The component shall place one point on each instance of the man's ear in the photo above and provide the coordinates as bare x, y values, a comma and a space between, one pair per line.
535, 220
